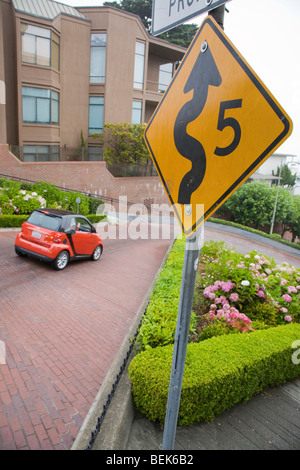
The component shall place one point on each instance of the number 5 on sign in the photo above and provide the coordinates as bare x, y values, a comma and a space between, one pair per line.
216, 124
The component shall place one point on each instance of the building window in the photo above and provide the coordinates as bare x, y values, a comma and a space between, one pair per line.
40, 46
136, 112
165, 76
98, 55
40, 106
41, 153
139, 65
96, 113
95, 154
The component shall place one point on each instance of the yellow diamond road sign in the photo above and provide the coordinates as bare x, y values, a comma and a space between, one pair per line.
215, 125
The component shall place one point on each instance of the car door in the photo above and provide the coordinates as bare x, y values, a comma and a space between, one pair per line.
83, 238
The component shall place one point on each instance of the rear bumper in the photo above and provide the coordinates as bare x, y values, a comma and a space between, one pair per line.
25, 251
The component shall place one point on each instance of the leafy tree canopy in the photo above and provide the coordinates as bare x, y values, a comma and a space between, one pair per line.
252, 204
123, 143
182, 35
287, 179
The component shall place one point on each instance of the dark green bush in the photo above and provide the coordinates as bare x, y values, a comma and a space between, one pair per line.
159, 321
219, 373
94, 203
15, 221
261, 311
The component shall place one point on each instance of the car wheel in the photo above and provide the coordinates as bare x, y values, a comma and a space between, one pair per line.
61, 260
19, 253
97, 253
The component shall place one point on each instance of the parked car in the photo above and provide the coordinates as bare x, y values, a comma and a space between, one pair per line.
58, 236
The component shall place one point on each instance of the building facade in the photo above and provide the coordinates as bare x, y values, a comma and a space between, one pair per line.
66, 71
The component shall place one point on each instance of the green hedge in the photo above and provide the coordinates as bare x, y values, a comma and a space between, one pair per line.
159, 321
219, 373
15, 221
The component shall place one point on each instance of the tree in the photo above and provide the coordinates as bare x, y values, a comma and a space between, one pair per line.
141, 8
291, 222
253, 203
287, 179
182, 35
123, 143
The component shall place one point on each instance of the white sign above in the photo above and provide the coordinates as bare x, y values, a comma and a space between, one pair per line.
166, 14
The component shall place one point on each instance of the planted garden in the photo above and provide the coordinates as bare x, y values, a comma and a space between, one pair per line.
245, 323
18, 199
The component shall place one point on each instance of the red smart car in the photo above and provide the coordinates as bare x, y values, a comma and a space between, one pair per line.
58, 236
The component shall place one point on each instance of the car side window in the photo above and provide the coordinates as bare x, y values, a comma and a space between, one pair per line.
73, 224
82, 225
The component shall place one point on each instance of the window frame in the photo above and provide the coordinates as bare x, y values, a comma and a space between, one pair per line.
136, 109
139, 67
96, 130
100, 56
37, 37
53, 101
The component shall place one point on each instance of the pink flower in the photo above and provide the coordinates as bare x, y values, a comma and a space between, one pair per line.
227, 286
234, 297
284, 310
288, 318
287, 297
292, 289
261, 294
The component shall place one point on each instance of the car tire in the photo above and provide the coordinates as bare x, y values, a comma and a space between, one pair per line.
62, 260
97, 253
19, 253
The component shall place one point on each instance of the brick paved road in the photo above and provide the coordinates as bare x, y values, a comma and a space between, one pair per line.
62, 331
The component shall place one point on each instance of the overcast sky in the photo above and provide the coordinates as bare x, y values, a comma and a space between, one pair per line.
267, 34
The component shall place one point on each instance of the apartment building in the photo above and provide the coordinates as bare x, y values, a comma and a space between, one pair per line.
66, 71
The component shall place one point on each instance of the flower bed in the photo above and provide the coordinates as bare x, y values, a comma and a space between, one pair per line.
234, 293
20, 198
245, 292
244, 327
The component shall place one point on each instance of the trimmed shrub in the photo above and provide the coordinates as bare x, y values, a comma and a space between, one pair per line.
15, 221
12, 221
219, 373
159, 321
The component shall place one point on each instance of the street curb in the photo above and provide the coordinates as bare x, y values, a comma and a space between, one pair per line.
115, 428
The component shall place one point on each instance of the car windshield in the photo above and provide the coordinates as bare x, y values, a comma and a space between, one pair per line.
41, 219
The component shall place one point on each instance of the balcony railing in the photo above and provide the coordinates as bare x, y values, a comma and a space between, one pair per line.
155, 87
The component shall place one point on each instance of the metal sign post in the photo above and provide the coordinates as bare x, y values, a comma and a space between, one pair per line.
189, 271
208, 134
